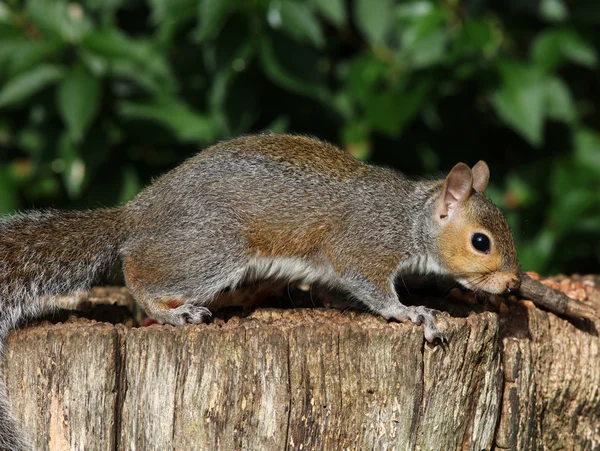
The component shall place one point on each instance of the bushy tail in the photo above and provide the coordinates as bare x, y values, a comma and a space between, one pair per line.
45, 254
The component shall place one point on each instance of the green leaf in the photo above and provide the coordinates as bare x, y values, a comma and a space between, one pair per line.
6, 15
343, 104
373, 19
363, 76
137, 59
29, 83
65, 19
169, 16
553, 10
32, 53
32, 141
553, 47
299, 22
520, 100
211, 17
98, 65
185, 123
577, 50
276, 72
160, 10
546, 51
587, 150
391, 111
111, 43
78, 99
559, 103
573, 205
424, 40
475, 37
9, 47
429, 50
75, 168
423, 26
412, 10
130, 71
333, 10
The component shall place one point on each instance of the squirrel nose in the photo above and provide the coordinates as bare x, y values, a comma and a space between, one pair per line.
513, 284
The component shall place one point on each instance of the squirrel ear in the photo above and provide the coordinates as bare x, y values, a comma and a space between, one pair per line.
481, 176
457, 189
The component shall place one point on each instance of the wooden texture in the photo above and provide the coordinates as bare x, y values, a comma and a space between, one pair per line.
62, 383
309, 379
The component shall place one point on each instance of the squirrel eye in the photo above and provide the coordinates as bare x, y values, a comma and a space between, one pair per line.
481, 242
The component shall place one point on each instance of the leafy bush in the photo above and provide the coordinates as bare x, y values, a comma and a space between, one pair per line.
97, 97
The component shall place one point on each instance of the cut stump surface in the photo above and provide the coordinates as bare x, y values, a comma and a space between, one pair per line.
309, 379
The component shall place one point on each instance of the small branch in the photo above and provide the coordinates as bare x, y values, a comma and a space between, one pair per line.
555, 301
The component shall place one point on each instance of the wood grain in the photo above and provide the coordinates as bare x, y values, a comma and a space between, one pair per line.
62, 383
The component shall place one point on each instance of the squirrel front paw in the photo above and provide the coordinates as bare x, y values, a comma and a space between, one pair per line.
418, 314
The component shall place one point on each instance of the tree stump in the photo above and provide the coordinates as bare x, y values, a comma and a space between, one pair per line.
309, 379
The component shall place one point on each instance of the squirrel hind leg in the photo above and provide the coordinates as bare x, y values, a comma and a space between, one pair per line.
177, 297
175, 310
160, 306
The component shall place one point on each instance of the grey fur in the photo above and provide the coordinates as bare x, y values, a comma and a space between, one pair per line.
217, 220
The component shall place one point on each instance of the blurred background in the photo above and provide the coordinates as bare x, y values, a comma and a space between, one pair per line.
99, 96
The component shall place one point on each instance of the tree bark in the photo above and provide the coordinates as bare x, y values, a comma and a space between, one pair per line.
309, 379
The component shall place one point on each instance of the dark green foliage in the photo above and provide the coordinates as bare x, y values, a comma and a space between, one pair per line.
99, 96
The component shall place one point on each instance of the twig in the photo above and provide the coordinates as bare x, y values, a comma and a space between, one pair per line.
553, 300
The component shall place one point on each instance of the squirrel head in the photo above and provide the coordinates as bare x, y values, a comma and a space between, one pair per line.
474, 242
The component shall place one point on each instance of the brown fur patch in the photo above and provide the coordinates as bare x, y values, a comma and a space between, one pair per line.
134, 274
136, 277
313, 242
174, 303
270, 238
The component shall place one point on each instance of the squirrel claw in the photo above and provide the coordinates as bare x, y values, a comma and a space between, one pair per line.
426, 316
417, 314
185, 313
435, 335
194, 314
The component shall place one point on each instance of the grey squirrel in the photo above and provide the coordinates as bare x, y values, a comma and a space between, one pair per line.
261, 206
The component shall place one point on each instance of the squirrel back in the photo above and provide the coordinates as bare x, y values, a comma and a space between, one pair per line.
295, 197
